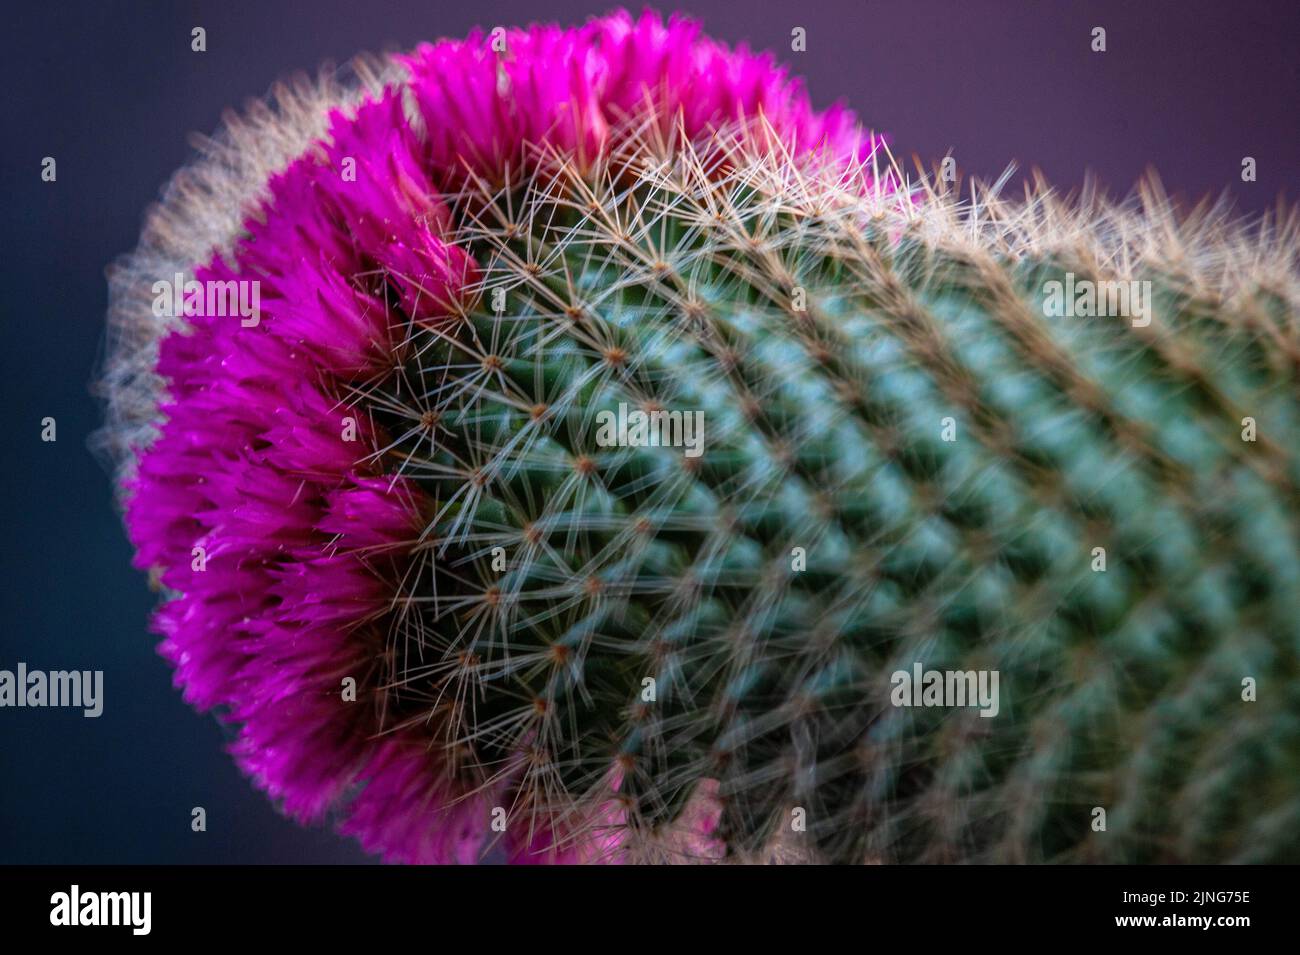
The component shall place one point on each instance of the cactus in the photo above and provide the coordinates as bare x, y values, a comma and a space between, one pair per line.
864, 444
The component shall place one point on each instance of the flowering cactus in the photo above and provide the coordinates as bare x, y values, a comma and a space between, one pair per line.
413, 545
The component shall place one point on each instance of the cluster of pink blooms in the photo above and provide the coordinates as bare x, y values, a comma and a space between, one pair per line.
304, 538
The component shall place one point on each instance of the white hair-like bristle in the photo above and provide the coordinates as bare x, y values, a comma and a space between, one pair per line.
202, 212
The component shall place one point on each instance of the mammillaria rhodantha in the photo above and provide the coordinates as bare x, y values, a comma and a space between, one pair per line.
400, 558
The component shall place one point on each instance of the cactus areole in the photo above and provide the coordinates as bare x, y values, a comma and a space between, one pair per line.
567, 445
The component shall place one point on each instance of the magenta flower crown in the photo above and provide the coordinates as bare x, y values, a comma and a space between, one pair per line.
280, 537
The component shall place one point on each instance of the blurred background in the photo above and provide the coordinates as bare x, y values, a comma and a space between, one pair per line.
112, 92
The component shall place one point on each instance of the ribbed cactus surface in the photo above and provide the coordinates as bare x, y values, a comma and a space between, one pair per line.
905, 462
612, 457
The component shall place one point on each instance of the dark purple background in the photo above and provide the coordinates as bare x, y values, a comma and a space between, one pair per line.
112, 91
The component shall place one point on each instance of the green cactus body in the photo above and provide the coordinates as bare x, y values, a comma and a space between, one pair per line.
905, 463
